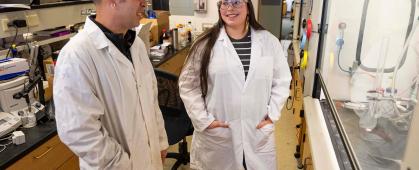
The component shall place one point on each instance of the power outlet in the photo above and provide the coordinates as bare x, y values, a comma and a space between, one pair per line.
32, 20
4, 25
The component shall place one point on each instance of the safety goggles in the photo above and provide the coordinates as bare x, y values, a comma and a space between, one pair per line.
235, 4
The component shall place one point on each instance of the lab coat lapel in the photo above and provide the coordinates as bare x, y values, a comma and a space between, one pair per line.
231, 53
100, 41
136, 55
119, 56
255, 54
115, 53
97, 37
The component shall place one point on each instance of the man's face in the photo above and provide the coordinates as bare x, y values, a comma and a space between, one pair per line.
130, 12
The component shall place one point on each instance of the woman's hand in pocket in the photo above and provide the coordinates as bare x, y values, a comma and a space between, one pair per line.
217, 123
264, 122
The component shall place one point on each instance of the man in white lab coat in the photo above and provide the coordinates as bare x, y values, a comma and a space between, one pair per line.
105, 93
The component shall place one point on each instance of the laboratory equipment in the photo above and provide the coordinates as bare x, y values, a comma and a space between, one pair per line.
175, 39
13, 67
309, 29
26, 2
32, 2
16, 97
7, 90
30, 113
8, 123
18, 137
339, 45
371, 87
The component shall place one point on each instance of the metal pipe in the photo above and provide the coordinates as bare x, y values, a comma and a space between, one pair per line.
322, 31
300, 17
361, 36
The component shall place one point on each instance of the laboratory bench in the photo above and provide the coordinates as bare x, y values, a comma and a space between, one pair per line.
172, 61
42, 149
47, 5
46, 16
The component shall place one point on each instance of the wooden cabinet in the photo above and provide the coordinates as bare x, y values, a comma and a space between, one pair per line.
306, 157
71, 164
51, 155
297, 96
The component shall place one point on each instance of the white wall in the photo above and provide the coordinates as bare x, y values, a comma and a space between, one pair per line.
211, 16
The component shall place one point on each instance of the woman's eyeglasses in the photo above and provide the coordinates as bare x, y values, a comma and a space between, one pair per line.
235, 4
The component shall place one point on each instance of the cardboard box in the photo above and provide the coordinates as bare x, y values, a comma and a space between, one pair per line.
157, 25
154, 33
49, 67
162, 20
48, 91
49, 74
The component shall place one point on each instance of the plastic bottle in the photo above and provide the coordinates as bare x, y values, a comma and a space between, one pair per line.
165, 37
189, 30
183, 35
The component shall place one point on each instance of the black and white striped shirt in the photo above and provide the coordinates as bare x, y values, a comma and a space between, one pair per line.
243, 49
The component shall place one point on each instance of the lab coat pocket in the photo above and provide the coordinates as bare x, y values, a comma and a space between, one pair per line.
218, 138
217, 144
265, 139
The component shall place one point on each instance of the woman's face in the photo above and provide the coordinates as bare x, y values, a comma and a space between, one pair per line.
234, 12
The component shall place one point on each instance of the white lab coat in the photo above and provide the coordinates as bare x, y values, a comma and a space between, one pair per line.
106, 107
242, 103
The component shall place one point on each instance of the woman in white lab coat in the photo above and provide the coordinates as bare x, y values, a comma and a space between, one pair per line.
232, 105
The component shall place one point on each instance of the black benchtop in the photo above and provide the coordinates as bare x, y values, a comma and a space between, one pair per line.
34, 137
157, 61
48, 5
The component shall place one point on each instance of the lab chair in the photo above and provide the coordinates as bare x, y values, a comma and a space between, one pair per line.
176, 120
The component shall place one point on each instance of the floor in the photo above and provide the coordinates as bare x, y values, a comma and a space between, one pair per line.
286, 140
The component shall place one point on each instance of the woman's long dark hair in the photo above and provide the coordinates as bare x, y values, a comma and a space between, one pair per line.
210, 37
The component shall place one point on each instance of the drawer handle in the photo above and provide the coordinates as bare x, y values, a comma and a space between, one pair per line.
43, 154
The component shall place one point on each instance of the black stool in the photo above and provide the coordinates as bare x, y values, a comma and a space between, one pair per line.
176, 120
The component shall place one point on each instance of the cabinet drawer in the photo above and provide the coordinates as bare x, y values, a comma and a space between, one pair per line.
71, 164
50, 155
